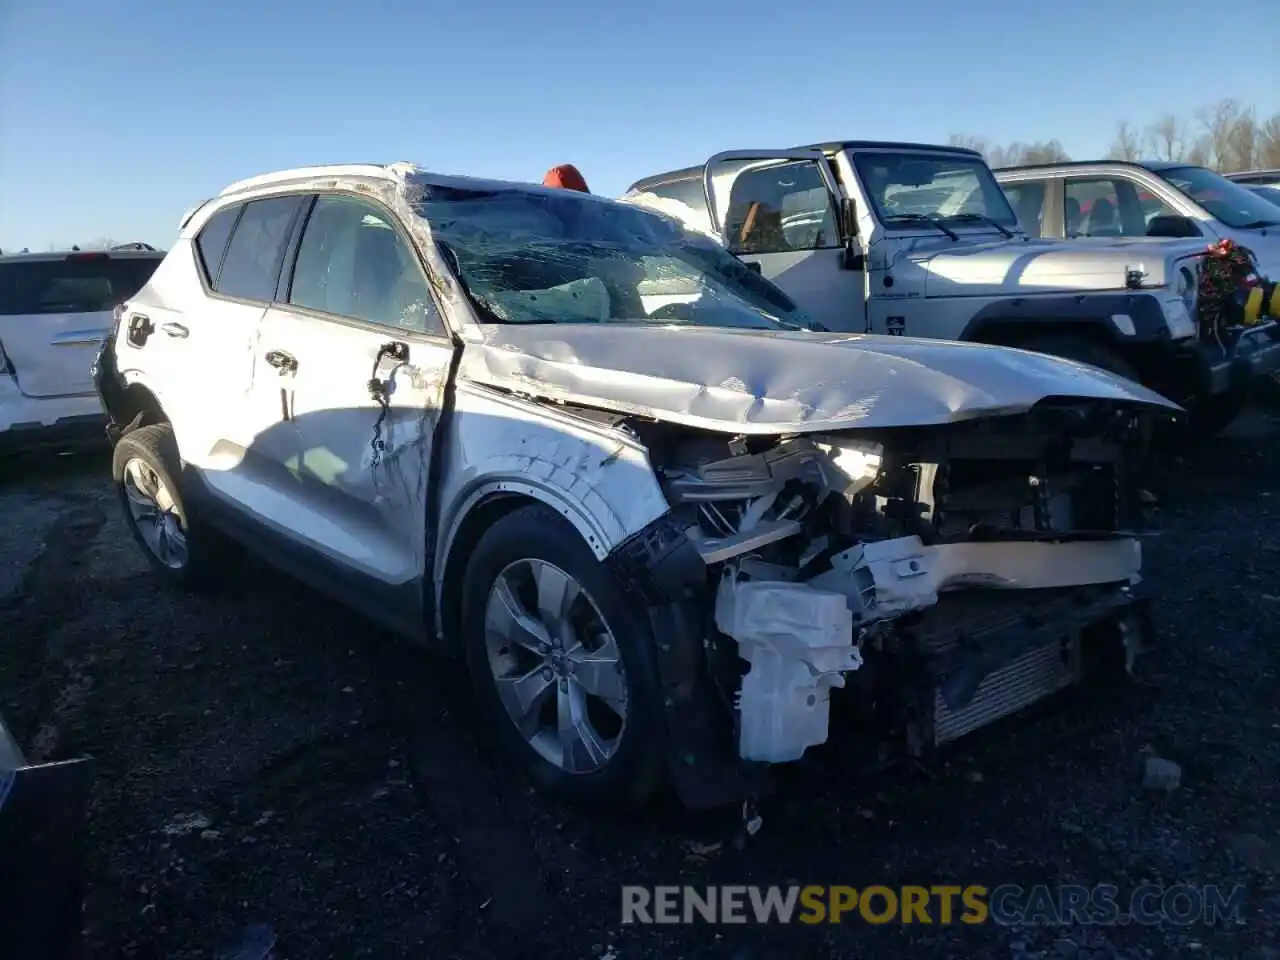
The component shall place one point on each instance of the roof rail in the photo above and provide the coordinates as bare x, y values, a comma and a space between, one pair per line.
377, 171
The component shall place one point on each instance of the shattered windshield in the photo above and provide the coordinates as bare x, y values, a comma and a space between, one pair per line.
906, 186
533, 256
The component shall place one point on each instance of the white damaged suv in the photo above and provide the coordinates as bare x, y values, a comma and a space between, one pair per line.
664, 535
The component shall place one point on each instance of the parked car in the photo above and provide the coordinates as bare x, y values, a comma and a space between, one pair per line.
1153, 199
658, 532
1261, 178
55, 309
1265, 183
921, 240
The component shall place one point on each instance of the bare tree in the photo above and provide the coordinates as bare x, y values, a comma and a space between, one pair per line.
1243, 140
1127, 144
981, 144
1013, 154
1168, 139
1268, 146
1220, 122
1225, 136
1045, 151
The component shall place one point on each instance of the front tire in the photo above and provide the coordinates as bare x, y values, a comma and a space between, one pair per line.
146, 468
562, 662
1209, 416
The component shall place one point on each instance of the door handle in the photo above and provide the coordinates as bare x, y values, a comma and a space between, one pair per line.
176, 330
78, 338
284, 362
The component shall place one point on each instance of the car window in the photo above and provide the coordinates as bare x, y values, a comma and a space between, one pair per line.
1152, 207
211, 242
780, 208
353, 263
81, 283
1111, 207
1092, 207
252, 264
1027, 199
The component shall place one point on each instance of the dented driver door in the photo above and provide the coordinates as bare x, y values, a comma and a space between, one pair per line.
781, 209
350, 380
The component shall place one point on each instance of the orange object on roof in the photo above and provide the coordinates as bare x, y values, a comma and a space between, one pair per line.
567, 177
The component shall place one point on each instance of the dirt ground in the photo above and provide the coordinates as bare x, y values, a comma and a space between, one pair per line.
264, 757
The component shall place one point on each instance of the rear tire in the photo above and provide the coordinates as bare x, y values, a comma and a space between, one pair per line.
522, 564
147, 471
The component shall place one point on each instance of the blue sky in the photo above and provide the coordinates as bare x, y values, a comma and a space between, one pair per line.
116, 117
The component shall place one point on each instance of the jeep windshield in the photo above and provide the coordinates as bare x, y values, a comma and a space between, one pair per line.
955, 190
538, 256
1227, 201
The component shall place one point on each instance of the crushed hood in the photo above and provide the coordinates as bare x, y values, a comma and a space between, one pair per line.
753, 381
1035, 266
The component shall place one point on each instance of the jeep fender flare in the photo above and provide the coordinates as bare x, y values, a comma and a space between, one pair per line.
1123, 319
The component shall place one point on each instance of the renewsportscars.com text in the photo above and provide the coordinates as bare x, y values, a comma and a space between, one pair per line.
1008, 904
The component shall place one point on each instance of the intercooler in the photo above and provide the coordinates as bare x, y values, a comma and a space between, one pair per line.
990, 653
1032, 676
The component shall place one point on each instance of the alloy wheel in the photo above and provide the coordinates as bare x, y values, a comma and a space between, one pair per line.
151, 505
556, 664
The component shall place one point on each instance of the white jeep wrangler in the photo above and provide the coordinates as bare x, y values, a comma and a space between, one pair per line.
921, 241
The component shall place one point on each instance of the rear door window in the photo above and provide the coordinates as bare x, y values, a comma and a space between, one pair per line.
251, 266
86, 283
211, 243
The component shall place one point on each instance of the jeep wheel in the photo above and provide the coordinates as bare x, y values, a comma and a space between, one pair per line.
145, 467
1082, 350
1208, 417
563, 665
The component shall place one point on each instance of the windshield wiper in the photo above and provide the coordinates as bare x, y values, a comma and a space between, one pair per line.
982, 219
1259, 224
921, 218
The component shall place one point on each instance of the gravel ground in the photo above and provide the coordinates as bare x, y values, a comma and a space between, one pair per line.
265, 757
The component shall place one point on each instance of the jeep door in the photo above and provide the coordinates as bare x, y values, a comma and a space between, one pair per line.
781, 210
352, 367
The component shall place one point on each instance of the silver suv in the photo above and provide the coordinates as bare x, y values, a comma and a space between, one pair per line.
55, 309
658, 515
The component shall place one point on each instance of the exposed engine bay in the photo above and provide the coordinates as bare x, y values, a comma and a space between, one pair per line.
937, 577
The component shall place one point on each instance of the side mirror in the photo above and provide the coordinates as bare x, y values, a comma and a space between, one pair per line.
1172, 227
849, 217
852, 258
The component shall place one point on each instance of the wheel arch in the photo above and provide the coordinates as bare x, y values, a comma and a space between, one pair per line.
1099, 333
484, 506
134, 405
